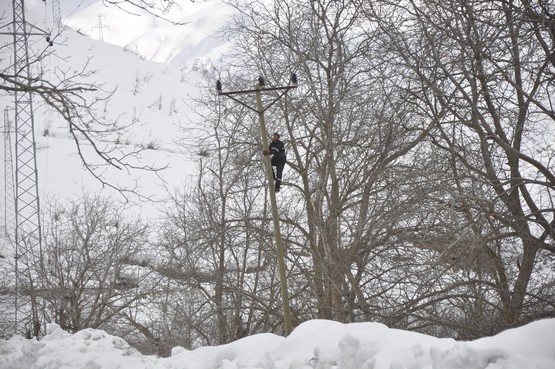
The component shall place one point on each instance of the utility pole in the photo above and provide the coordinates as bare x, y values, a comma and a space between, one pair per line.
260, 109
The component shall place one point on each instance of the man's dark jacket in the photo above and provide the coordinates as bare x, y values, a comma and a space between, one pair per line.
277, 149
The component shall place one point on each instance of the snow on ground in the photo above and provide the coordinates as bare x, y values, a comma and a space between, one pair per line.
319, 344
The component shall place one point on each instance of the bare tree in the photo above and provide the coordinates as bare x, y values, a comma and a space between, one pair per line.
214, 246
479, 71
540, 15
347, 132
158, 8
89, 283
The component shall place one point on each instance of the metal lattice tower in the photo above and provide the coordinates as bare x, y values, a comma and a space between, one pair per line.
26, 178
100, 27
27, 219
56, 12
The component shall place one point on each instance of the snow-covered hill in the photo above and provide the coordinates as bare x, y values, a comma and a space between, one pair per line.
191, 33
154, 68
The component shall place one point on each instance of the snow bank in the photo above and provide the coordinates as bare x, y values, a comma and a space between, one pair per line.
316, 344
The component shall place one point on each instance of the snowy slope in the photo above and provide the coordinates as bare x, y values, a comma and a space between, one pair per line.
150, 96
319, 344
191, 34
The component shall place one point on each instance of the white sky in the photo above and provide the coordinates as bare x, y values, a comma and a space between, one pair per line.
69, 7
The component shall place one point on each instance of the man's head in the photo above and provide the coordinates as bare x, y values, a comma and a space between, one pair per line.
275, 137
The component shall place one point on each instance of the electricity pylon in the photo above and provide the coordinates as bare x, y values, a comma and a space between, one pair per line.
27, 234
26, 178
56, 13
100, 27
260, 109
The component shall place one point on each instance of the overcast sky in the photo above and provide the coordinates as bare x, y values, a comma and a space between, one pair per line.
67, 7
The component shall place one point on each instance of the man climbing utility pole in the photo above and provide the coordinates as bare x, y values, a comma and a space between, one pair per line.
260, 109
279, 159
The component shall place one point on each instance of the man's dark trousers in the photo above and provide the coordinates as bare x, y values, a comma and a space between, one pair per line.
279, 163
